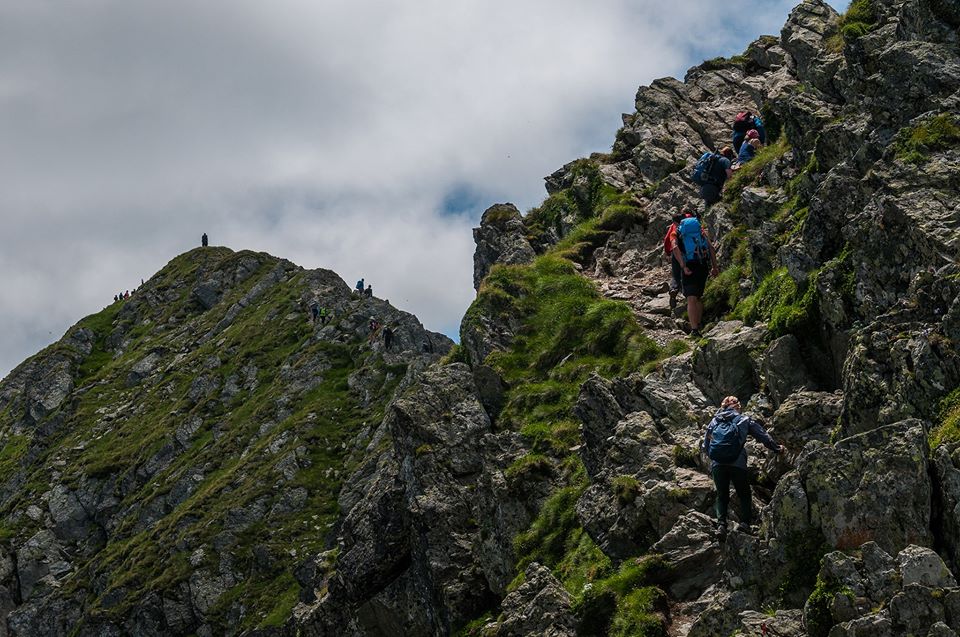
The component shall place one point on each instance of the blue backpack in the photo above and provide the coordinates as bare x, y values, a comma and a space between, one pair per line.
703, 170
727, 439
691, 240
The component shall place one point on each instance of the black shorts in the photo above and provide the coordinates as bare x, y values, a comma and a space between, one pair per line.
710, 193
696, 281
676, 273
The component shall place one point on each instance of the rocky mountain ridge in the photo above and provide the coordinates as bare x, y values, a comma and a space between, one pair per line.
204, 461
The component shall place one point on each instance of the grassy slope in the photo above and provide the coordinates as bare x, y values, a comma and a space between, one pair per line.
239, 465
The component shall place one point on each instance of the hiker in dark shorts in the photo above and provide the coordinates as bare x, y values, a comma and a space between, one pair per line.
698, 259
722, 170
387, 337
725, 443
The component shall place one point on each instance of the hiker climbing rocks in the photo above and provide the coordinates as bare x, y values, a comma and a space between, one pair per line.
369, 291
676, 272
725, 444
324, 315
749, 148
359, 287
387, 337
697, 258
374, 327
711, 172
204, 241
314, 310
744, 122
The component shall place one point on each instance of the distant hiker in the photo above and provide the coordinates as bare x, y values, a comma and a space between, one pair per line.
204, 241
710, 173
387, 337
725, 444
749, 148
747, 121
324, 315
374, 326
676, 271
315, 310
368, 291
115, 298
359, 286
126, 295
697, 258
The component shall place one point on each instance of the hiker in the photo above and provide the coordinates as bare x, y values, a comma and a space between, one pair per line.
746, 121
694, 251
324, 315
369, 291
749, 148
676, 272
725, 444
711, 171
374, 326
387, 337
204, 241
126, 295
359, 287
314, 310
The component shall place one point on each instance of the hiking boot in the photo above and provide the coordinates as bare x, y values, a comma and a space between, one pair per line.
721, 529
673, 299
695, 333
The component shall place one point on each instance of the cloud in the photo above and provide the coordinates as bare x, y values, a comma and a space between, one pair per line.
363, 136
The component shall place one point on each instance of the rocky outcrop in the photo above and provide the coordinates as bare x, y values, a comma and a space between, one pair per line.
501, 238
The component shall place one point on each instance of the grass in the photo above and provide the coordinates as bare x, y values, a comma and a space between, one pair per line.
111, 432
749, 173
948, 428
915, 143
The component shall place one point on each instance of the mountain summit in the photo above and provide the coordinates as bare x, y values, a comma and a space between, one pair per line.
204, 459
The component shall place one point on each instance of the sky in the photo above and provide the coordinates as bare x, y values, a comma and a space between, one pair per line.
357, 135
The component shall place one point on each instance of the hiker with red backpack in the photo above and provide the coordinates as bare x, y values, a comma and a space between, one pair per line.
697, 258
711, 171
747, 121
725, 444
676, 271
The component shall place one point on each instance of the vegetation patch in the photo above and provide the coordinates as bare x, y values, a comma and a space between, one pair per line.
948, 429
914, 144
818, 615
625, 602
749, 173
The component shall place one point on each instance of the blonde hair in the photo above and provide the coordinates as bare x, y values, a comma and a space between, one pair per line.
730, 401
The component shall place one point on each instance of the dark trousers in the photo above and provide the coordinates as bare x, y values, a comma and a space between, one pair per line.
723, 475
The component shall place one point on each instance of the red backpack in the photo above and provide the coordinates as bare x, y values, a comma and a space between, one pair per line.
668, 240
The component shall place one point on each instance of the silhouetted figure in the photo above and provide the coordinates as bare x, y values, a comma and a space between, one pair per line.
387, 337
359, 286
126, 295
368, 291
204, 241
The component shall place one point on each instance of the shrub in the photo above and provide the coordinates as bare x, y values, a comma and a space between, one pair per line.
914, 144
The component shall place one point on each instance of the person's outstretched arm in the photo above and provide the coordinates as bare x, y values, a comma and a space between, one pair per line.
756, 430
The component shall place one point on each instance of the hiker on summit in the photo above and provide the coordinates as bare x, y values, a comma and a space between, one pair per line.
725, 443
694, 251
204, 241
749, 148
368, 291
710, 173
359, 287
744, 122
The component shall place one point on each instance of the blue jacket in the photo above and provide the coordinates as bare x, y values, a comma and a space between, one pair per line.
739, 137
753, 428
747, 152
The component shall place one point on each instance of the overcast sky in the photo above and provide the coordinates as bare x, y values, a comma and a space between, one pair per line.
366, 137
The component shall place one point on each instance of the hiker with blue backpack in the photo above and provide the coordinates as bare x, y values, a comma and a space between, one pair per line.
744, 122
725, 444
749, 148
711, 171
697, 258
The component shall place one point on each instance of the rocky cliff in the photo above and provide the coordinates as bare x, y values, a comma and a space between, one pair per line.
203, 460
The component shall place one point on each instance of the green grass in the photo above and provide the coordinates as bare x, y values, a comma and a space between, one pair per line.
948, 428
241, 464
625, 601
914, 144
626, 488
748, 173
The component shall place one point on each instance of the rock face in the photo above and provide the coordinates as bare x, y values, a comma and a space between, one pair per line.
202, 459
